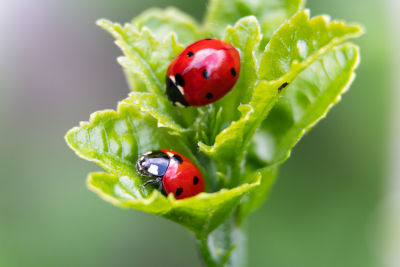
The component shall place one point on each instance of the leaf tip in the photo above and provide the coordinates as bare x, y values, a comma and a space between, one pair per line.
69, 135
306, 13
103, 23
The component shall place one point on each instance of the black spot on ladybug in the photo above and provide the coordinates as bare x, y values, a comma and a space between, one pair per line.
174, 95
190, 54
179, 80
233, 72
206, 75
209, 95
179, 191
207, 39
195, 180
282, 87
178, 159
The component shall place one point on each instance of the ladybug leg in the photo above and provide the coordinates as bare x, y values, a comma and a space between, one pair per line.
157, 180
160, 187
149, 182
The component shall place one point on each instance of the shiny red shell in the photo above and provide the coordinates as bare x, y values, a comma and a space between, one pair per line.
203, 73
183, 178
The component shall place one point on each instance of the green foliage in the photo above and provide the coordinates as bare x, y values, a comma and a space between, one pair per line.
300, 40
201, 213
281, 93
270, 14
308, 98
164, 21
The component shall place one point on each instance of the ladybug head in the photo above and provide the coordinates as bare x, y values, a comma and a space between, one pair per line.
153, 164
174, 86
142, 165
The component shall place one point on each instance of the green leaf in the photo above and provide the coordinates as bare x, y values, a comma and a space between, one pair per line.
299, 41
238, 135
201, 213
115, 139
307, 99
146, 59
301, 74
159, 108
258, 196
295, 47
269, 13
245, 36
164, 22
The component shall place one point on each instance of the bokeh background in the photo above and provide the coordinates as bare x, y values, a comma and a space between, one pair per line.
334, 204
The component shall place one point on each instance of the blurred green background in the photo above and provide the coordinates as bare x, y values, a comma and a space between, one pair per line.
56, 67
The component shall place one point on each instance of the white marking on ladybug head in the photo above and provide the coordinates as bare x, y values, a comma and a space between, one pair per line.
180, 89
153, 169
170, 154
148, 153
172, 78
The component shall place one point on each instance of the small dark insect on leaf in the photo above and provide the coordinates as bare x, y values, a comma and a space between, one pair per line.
282, 87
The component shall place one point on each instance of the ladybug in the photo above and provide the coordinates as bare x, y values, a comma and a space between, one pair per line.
203, 73
170, 169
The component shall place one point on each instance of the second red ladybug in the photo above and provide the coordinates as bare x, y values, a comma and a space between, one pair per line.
170, 169
203, 73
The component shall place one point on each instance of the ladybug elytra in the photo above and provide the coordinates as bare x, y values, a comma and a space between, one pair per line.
202, 73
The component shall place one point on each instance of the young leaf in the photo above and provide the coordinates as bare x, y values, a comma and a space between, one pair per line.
159, 108
237, 136
115, 139
269, 13
164, 22
239, 133
306, 101
201, 213
146, 59
245, 36
257, 196
302, 73
299, 41
308, 98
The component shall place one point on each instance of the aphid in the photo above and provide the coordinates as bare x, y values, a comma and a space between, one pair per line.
283, 86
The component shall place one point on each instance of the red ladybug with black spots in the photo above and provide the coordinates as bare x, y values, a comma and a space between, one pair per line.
203, 73
176, 173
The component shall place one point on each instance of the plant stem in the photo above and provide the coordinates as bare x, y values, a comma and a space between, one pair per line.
225, 246
206, 253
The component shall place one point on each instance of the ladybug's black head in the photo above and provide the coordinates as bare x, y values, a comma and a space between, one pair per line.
153, 164
174, 86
